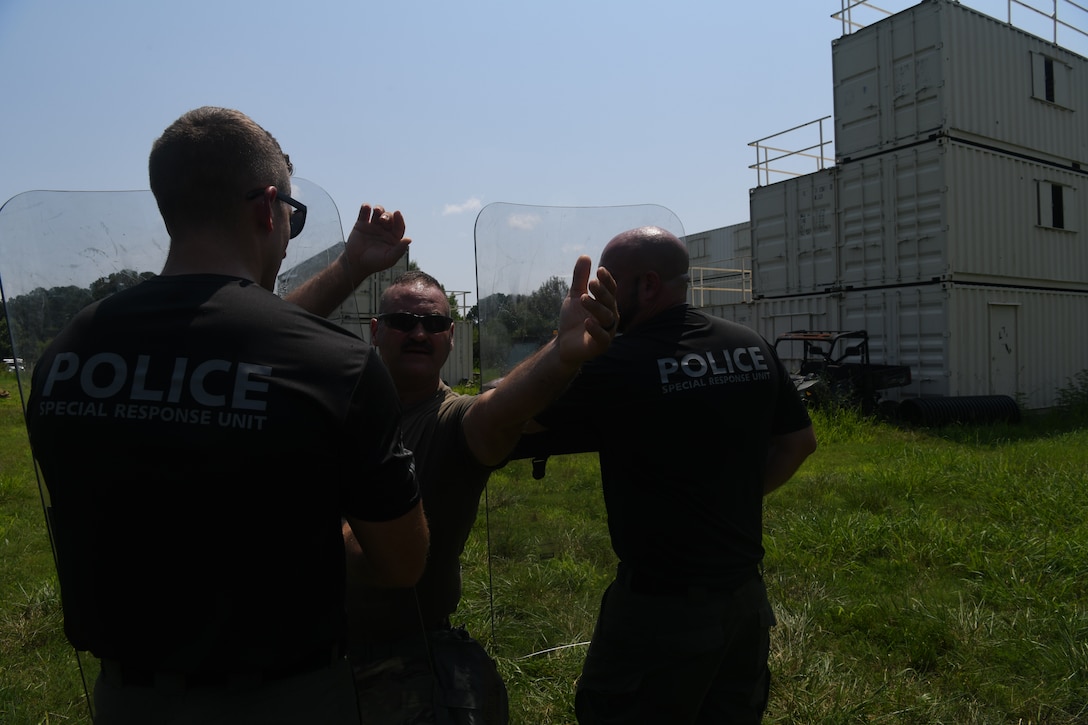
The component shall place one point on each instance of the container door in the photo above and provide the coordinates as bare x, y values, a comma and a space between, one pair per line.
1003, 350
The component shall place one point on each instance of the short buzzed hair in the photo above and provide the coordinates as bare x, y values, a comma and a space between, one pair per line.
205, 163
412, 277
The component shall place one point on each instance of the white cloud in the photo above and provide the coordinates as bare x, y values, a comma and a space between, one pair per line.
472, 204
523, 221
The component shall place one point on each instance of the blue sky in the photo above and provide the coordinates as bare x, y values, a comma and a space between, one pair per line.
434, 108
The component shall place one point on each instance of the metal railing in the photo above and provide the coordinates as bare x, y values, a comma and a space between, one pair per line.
1069, 7
1056, 23
708, 280
816, 151
846, 14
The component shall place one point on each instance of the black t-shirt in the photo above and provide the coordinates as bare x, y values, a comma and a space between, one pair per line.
200, 439
682, 409
451, 481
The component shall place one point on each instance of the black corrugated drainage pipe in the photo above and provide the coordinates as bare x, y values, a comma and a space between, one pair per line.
959, 409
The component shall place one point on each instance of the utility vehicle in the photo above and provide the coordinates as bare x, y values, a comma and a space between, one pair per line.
833, 367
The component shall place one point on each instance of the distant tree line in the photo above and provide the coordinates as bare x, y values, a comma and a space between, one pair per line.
513, 326
33, 319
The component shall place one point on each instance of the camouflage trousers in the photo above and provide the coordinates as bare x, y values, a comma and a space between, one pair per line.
442, 677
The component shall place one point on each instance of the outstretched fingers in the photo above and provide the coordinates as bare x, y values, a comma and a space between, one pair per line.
376, 241
579, 284
583, 318
600, 303
391, 223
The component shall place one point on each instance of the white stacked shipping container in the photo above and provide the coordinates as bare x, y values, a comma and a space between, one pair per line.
958, 339
794, 236
942, 68
939, 211
952, 226
720, 259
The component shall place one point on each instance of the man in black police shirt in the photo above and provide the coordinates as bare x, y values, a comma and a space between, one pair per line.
703, 422
200, 439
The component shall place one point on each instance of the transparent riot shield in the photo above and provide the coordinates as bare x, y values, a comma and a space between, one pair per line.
60, 251
524, 260
549, 556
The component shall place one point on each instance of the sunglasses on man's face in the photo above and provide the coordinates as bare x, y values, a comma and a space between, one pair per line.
298, 216
406, 321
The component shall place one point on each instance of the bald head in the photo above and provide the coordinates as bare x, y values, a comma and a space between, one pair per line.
646, 249
650, 266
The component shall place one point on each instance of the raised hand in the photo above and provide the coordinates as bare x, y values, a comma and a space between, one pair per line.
376, 242
589, 314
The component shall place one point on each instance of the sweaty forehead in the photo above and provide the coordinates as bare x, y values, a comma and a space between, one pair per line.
415, 298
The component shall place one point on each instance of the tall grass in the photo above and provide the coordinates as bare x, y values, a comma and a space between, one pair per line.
39, 677
918, 576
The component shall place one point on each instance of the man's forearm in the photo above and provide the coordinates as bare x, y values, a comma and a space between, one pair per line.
587, 323
786, 455
327, 290
388, 554
495, 421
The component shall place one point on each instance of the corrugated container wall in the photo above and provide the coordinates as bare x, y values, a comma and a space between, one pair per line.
942, 210
940, 68
1025, 341
720, 262
793, 235
957, 339
974, 340
772, 317
719, 247
946, 210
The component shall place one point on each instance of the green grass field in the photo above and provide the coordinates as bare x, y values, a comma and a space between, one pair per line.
918, 576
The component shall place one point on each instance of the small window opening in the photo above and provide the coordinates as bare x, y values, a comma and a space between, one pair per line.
1057, 207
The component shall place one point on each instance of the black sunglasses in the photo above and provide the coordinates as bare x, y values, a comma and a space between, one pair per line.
406, 321
298, 216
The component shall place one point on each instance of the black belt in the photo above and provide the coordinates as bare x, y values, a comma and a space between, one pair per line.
122, 674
